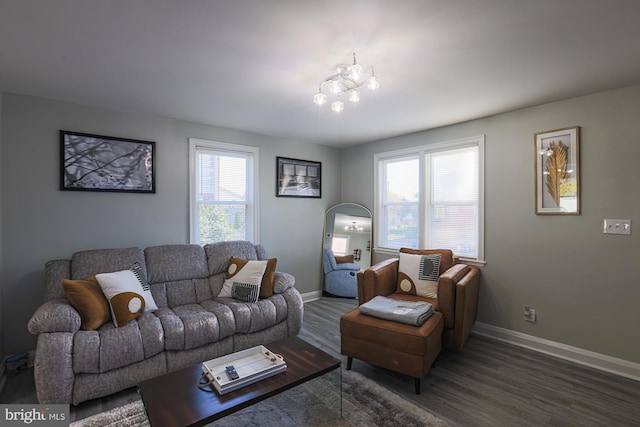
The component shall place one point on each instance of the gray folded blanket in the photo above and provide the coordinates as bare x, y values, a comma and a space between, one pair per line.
409, 312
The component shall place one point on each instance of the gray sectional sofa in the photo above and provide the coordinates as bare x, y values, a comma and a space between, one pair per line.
190, 325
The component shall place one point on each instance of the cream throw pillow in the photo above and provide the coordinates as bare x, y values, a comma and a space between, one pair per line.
418, 275
243, 272
128, 297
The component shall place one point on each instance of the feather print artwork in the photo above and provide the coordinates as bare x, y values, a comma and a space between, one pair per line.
556, 169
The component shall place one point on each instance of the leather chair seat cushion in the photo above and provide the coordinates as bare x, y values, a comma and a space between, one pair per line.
388, 334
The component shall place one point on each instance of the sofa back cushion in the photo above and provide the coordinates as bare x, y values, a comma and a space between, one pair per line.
177, 274
95, 261
219, 254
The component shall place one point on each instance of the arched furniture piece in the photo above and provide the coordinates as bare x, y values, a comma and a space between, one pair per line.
347, 237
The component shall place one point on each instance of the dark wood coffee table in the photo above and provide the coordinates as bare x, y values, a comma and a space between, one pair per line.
174, 399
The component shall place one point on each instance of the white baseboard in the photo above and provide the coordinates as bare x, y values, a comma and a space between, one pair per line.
599, 361
311, 296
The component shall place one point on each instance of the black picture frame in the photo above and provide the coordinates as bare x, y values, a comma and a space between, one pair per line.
298, 178
104, 163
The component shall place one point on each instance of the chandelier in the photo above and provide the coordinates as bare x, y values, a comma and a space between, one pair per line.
346, 80
353, 227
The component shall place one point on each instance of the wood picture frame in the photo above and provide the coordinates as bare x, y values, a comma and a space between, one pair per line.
298, 178
557, 171
104, 163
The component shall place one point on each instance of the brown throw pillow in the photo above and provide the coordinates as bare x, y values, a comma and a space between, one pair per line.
266, 287
86, 296
345, 259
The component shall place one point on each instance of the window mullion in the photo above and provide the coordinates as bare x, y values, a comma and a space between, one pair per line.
425, 195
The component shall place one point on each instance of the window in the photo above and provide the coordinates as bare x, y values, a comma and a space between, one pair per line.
339, 245
432, 197
223, 188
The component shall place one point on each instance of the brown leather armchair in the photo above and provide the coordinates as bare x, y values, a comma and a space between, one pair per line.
457, 300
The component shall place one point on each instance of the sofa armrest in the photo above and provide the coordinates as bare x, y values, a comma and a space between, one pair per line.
379, 279
282, 282
56, 315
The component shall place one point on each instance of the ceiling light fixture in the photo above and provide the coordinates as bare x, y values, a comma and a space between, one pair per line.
353, 227
347, 79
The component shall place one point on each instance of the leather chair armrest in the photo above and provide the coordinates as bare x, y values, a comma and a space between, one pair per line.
379, 279
467, 294
455, 286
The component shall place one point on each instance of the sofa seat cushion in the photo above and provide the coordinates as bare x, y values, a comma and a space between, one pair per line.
110, 347
254, 317
193, 325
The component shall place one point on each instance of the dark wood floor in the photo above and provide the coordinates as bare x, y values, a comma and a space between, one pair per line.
489, 383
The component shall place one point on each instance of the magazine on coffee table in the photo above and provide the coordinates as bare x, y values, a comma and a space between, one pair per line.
251, 365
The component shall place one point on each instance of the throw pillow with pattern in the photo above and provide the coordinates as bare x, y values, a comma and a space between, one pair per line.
242, 271
418, 275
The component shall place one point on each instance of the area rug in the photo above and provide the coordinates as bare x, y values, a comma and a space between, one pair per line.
315, 403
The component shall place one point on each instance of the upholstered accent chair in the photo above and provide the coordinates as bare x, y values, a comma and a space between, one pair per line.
340, 278
457, 292
408, 349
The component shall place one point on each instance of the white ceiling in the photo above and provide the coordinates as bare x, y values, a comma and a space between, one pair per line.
255, 64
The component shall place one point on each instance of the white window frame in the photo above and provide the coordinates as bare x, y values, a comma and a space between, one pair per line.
252, 192
347, 242
424, 176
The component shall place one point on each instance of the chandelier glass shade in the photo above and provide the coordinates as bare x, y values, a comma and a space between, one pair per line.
346, 80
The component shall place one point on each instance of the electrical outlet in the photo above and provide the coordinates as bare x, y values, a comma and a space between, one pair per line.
530, 314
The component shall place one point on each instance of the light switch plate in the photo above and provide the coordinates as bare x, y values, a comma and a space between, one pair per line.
617, 226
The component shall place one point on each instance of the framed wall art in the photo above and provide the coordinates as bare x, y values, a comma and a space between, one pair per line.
557, 172
298, 178
105, 163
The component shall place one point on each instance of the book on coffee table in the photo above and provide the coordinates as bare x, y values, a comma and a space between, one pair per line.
252, 365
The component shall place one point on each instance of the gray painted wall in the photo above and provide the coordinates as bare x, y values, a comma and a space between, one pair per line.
39, 222
582, 283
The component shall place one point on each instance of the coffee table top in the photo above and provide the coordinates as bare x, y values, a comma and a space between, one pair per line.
174, 399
